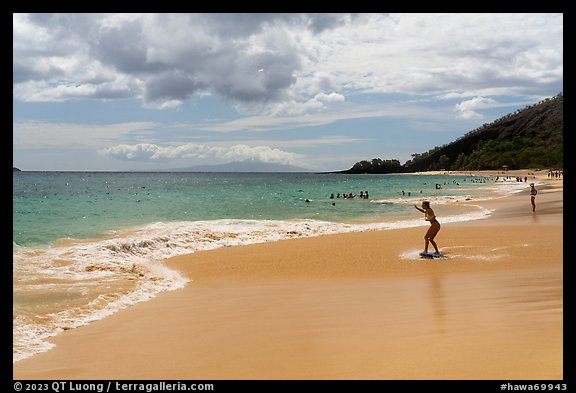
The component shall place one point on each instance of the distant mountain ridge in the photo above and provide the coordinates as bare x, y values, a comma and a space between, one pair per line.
241, 166
532, 137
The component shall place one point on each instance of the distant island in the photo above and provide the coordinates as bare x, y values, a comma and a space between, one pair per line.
14, 169
241, 166
532, 137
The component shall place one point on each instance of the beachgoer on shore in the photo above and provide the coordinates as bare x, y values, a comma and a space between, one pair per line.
533, 192
434, 226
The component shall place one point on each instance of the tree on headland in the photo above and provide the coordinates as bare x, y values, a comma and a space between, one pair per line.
377, 165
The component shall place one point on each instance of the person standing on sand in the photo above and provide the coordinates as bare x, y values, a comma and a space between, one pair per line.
533, 192
434, 226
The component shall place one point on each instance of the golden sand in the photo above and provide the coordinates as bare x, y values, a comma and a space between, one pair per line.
346, 306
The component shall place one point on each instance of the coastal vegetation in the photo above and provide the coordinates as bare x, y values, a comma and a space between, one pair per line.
531, 137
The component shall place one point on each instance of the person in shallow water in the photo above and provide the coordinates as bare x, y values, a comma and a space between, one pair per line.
434, 226
533, 193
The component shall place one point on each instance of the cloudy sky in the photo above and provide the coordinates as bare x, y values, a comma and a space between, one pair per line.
319, 91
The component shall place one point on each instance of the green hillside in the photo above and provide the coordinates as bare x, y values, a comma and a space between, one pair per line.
528, 138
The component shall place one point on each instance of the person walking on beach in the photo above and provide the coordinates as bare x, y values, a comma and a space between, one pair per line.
434, 226
533, 192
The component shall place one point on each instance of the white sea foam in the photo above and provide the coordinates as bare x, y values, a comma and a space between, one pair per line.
417, 199
99, 277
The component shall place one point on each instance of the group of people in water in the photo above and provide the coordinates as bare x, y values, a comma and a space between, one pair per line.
518, 178
363, 195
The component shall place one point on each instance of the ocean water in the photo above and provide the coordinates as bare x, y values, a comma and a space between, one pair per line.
87, 244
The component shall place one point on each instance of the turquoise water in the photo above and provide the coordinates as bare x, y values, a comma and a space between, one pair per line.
87, 244
52, 205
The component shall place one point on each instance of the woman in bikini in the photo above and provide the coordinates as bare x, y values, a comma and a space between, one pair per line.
434, 226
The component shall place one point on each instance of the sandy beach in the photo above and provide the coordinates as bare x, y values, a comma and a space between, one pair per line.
347, 306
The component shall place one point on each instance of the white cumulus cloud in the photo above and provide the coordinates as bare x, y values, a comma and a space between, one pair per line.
468, 109
238, 152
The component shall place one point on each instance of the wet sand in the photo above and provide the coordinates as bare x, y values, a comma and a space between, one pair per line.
346, 306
